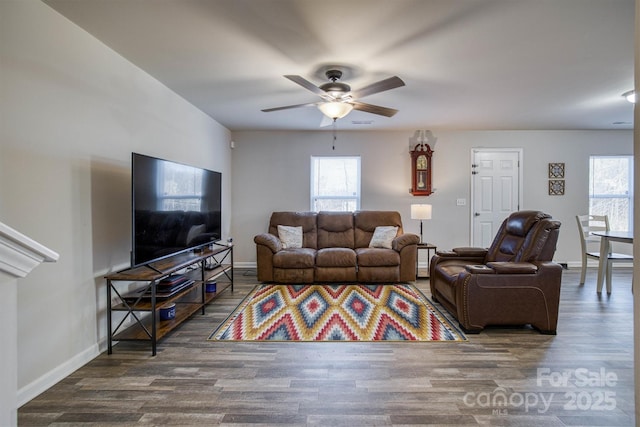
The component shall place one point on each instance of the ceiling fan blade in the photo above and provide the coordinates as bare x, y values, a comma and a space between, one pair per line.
381, 86
374, 109
287, 107
307, 85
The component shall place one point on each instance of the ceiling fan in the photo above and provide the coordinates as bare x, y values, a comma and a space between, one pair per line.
338, 99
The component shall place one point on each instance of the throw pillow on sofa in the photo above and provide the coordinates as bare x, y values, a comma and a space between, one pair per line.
291, 237
383, 236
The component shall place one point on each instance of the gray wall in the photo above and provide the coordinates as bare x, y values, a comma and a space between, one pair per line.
271, 172
72, 112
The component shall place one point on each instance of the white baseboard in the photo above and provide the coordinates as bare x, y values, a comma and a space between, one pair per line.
594, 264
245, 265
42, 384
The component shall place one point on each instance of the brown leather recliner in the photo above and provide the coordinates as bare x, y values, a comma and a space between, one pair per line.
513, 282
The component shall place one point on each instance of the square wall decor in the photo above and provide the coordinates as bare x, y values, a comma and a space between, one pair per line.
556, 187
556, 170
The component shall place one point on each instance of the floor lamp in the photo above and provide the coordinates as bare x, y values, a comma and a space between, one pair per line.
421, 212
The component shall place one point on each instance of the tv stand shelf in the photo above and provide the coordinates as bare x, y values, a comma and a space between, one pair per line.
142, 304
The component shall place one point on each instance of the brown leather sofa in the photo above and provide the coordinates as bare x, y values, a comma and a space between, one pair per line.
513, 282
335, 248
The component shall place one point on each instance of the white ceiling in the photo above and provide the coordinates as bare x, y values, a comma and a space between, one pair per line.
467, 64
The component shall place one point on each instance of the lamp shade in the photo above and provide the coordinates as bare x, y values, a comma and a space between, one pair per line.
420, 211
335, 110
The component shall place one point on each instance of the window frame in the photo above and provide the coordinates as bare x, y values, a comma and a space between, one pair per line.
313, 196
603, 196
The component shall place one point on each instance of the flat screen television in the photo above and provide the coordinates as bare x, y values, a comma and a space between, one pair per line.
175, 208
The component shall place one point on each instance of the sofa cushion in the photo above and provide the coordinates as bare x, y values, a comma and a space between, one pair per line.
519, 223
512, 235
336, 257
377, 257
365, 223
335, 274
291, 237
379, 274
335, 230
383, 236
295, 258
307, 220
293, 275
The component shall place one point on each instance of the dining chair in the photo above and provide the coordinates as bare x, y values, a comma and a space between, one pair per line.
586, 225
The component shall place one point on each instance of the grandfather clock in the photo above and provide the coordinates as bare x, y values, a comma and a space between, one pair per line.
421, 170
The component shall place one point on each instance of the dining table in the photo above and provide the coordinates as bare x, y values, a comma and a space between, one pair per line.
606, 237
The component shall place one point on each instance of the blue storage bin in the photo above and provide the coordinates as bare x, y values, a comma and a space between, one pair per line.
168, 312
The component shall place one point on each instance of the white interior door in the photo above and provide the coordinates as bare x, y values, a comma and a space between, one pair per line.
496, 191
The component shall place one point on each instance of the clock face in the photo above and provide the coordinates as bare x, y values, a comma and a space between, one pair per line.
421, 163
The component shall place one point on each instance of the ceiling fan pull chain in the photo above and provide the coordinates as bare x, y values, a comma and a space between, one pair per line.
334, 134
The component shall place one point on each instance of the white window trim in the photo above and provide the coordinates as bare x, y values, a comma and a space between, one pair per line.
628, 196
313, 197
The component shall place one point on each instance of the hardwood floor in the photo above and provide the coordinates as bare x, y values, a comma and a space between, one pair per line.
582, 376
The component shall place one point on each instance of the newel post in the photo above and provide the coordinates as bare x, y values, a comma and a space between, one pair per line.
18, 256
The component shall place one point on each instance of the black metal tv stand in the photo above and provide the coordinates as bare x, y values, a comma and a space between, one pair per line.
140, 305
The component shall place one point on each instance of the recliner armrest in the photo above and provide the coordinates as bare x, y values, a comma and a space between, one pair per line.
513, 267
268, 240
479, 269
404, 240
464, 252
471, 252
446, 254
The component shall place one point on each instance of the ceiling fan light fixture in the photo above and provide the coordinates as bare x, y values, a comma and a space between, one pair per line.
336, 89
335, 110
337, 98
630, 96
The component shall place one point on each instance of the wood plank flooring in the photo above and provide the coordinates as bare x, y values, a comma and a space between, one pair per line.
504, 376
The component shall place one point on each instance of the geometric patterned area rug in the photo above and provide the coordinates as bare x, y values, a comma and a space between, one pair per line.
352, 312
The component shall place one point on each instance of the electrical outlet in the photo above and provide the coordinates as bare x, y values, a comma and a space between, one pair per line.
461, 202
